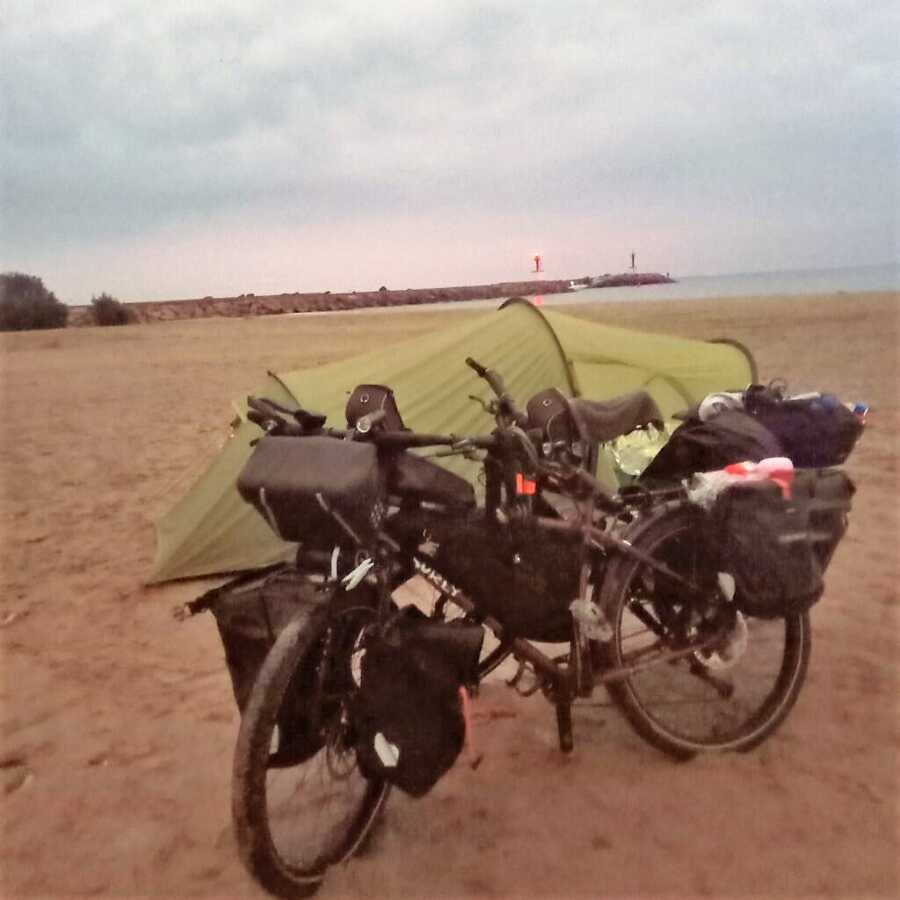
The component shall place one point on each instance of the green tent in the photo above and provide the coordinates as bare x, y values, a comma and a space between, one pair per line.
213, 531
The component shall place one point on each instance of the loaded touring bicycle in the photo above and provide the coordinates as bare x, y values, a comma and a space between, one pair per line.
685, 595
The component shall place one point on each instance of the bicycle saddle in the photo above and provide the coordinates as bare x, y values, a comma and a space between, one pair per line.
605, 420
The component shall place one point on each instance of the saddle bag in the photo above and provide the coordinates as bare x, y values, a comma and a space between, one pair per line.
315, 490
777, 548
408, 713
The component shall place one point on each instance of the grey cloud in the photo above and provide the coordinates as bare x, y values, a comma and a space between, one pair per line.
149, 115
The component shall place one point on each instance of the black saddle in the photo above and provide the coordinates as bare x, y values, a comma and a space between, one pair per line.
605, 420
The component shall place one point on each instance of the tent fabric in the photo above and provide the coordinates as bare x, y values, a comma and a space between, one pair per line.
211, 530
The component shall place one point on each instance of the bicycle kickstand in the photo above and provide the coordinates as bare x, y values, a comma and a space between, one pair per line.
564, 724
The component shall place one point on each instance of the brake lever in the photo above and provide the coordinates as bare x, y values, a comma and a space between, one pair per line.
264, 421
489, 406
274, 423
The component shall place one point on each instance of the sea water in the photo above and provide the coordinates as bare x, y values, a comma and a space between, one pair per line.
854, 280
749, 284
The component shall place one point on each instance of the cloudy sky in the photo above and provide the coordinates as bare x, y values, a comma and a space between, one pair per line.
184, 148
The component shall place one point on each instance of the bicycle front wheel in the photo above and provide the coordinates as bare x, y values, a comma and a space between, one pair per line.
300, 803
725, 697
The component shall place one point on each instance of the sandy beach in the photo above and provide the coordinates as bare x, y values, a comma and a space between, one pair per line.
118, 723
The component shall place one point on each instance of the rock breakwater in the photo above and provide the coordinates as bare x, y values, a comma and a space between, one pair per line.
278, 304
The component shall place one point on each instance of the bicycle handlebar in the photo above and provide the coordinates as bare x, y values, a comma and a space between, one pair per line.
273, 418
278, 420
490, 376
507, 404
364, 423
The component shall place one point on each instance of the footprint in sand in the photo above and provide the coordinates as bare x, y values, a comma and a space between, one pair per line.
14, 774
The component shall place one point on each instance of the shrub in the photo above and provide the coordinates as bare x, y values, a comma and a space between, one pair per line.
26, 304
109, 311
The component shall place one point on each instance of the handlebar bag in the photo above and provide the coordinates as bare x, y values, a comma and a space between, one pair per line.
369, 398
776, 548
407, 713
317, 491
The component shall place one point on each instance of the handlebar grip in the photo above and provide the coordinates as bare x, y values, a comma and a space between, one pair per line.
494, 380
480, 370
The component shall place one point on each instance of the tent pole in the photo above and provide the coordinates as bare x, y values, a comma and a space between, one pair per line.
567, 364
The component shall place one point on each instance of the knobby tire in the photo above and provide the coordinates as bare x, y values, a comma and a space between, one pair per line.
295, 647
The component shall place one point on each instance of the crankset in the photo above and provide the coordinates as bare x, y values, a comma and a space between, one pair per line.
526, 681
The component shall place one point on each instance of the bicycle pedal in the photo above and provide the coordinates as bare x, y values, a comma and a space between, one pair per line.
523, 687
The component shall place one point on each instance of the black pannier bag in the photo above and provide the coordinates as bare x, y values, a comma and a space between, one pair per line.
250, 613
696, 446
777, 548
302, 486
370, 398
408, 713
525, 579
813, 431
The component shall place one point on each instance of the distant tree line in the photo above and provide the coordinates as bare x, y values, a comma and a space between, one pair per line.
25, 305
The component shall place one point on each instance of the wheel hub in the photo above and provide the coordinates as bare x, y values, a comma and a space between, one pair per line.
732, 647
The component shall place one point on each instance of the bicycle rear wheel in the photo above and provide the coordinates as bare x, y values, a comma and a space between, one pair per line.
727, 697
300, 803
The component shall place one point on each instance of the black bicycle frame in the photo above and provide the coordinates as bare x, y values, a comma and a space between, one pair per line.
509, 495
